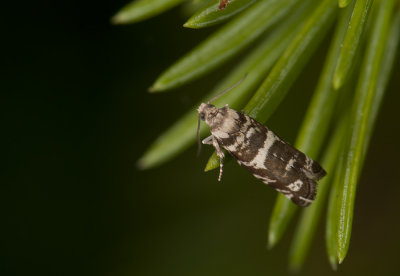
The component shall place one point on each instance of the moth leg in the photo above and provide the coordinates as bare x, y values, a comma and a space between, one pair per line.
220, 153
208, 140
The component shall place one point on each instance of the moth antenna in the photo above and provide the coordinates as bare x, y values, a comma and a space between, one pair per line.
198, 137
226, 90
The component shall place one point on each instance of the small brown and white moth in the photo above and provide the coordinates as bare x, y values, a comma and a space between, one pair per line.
259, 150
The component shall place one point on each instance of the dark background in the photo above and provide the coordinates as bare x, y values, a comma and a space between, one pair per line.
77, 116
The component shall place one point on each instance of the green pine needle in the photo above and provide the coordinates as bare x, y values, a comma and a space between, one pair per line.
351, 42
140, 10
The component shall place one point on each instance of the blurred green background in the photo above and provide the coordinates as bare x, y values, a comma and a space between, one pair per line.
78, 116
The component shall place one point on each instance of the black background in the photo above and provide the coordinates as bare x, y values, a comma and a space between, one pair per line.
77, 116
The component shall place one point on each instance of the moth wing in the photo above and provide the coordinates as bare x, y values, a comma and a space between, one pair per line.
273, 161
300, 190
300, 162
283, 152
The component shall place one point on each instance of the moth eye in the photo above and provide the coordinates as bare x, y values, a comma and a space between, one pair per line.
202, 116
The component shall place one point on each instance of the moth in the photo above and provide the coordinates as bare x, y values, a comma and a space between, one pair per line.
260, 151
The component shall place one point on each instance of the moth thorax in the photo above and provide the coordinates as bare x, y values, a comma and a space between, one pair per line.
226, 121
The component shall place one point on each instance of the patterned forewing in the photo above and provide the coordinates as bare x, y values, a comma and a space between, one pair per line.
273, 161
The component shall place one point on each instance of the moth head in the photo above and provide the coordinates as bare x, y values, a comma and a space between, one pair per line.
207, 112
